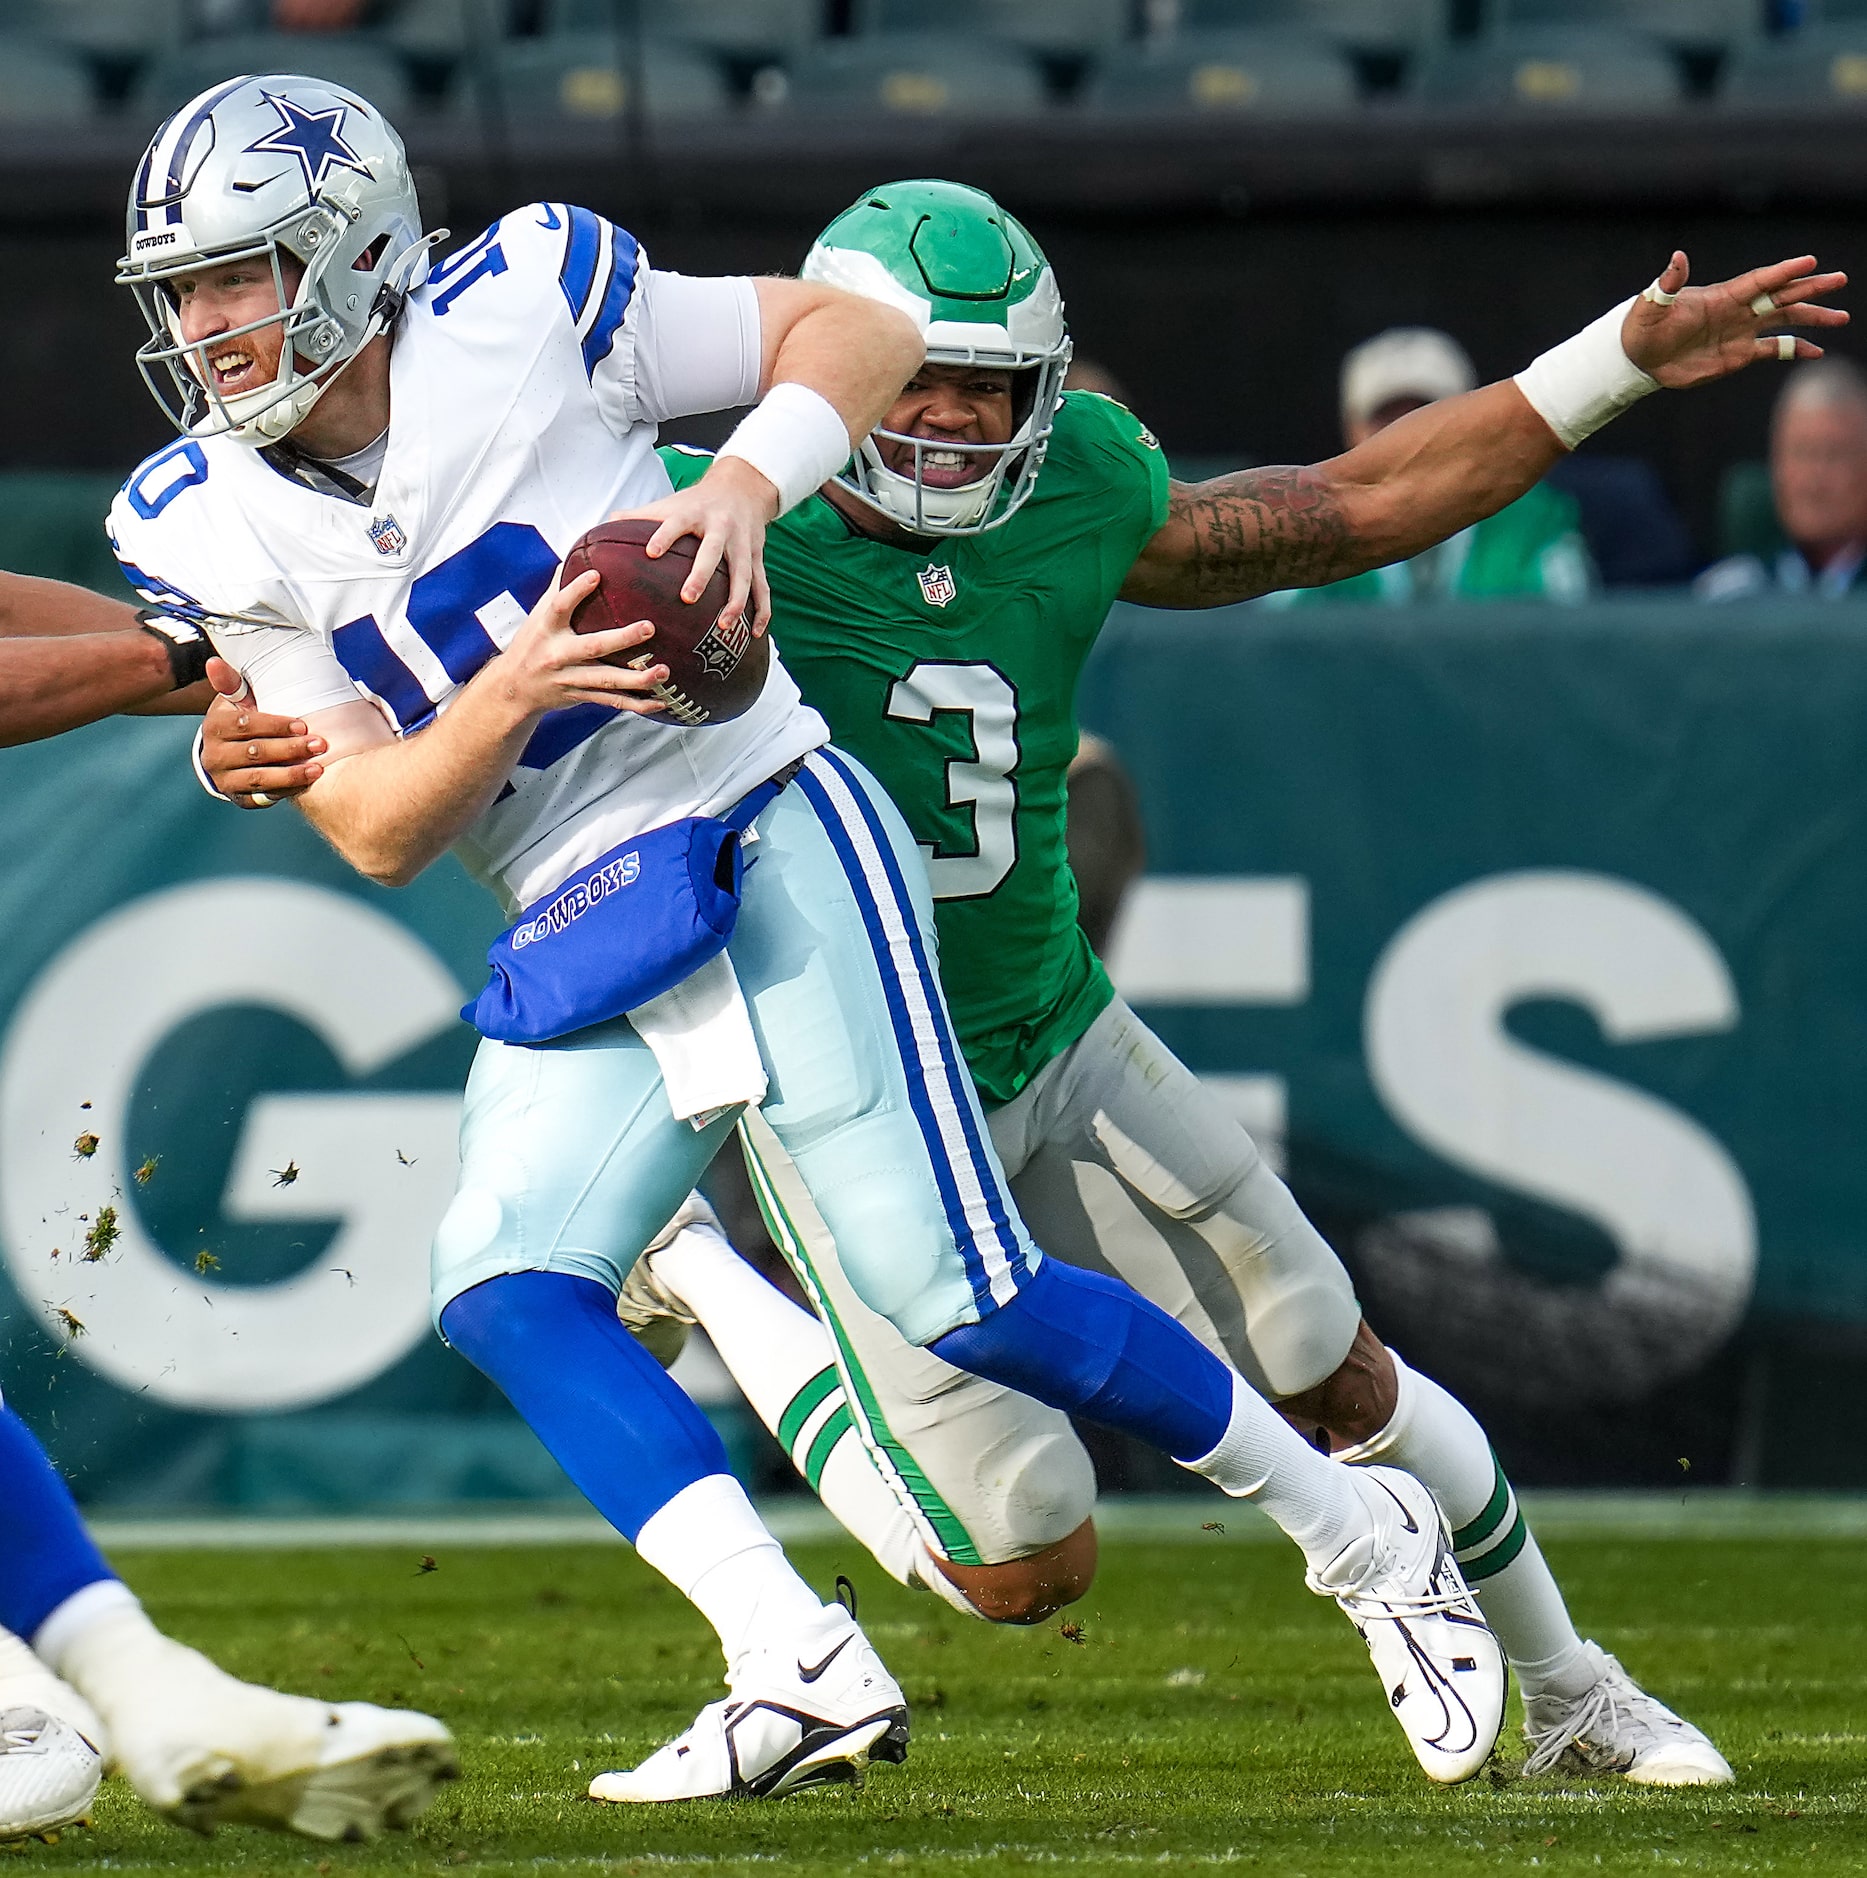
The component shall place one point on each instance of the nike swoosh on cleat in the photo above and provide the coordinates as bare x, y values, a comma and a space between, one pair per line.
811, 1675
1407, 1521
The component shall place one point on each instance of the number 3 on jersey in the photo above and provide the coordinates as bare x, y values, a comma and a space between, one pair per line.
981, 782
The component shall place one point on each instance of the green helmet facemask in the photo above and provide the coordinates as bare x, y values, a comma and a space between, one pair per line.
981, 290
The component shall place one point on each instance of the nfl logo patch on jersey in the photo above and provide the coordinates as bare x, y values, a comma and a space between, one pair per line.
936, 584
388, 536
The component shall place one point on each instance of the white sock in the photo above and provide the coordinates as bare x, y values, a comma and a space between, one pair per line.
783, 1359
101, 1642
925, 1575
1261, 1458
713, 1548
19, 1667
66, 1640
1435, 1438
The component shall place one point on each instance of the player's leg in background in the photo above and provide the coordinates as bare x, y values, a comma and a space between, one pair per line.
997, 1489
196, 1743
1124, 1160
570, 1161
873, 1106
1581, 1708
872, 1101
948, 1481
783, 1361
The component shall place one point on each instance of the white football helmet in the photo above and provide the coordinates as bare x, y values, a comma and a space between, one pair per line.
260, 169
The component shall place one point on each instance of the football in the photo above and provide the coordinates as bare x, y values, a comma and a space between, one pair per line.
716, 670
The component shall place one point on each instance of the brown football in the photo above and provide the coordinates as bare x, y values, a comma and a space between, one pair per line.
715, 671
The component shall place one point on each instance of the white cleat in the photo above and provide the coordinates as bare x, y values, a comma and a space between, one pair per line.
1615, 1727
205, 1749
1436, 1657
811, 1710
49, 1774
657, 1319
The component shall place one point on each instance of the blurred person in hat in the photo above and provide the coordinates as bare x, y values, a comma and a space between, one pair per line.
1530, 549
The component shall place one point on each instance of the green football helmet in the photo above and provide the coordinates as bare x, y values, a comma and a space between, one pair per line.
981, 290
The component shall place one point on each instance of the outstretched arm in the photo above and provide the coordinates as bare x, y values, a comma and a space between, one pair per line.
31, 608
1453, 463
69, 656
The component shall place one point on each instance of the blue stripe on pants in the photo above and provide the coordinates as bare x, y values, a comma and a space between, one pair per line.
935, 1075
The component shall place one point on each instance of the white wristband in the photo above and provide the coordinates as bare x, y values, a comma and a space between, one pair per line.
1580, 385
794, 438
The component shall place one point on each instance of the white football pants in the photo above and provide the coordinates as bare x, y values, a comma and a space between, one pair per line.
571, 1159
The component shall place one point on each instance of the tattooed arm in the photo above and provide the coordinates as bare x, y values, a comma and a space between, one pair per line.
1414, 483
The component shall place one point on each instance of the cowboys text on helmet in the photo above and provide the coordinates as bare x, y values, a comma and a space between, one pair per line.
299, 177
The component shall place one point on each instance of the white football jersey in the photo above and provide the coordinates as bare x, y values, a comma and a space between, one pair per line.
526, 381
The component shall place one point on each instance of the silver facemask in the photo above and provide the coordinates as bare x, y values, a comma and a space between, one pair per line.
271, 170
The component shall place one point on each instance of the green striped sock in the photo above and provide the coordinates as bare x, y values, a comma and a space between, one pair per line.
813, 1422
1495, 1537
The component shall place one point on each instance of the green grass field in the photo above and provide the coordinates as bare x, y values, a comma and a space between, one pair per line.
1213, 1714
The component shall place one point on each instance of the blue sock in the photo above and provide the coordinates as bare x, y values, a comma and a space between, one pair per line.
45, 1552
1091, 1345
626, 1433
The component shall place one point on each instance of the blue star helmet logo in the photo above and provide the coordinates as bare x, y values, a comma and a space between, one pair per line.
315, 138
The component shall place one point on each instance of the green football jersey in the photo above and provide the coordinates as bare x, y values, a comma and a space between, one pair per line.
951, 673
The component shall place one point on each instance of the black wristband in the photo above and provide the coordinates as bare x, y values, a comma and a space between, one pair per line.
188, 647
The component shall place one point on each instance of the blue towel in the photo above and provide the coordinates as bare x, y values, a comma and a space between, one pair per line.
631, 925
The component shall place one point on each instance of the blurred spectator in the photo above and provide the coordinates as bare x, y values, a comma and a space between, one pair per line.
1531, 549
1635, 536
1107, 843
1092, 375
1818, 476
317, 16
284, 16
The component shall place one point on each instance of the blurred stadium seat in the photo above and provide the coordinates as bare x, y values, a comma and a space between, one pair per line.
439, 29
914, 75
1047, 26
1747, 522
41, 83
1364, 25
548, 87
360, 65
747, 29
1218, 74
1567, 70
112, 28
1699, 24
1819, 65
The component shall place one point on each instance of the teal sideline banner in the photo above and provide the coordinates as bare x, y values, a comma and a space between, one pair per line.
229, 1090
1537, 938
1531, 940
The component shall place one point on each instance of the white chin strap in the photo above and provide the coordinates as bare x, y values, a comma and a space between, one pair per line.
277, 419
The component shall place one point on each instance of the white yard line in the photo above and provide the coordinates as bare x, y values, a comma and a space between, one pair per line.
1710, 1514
